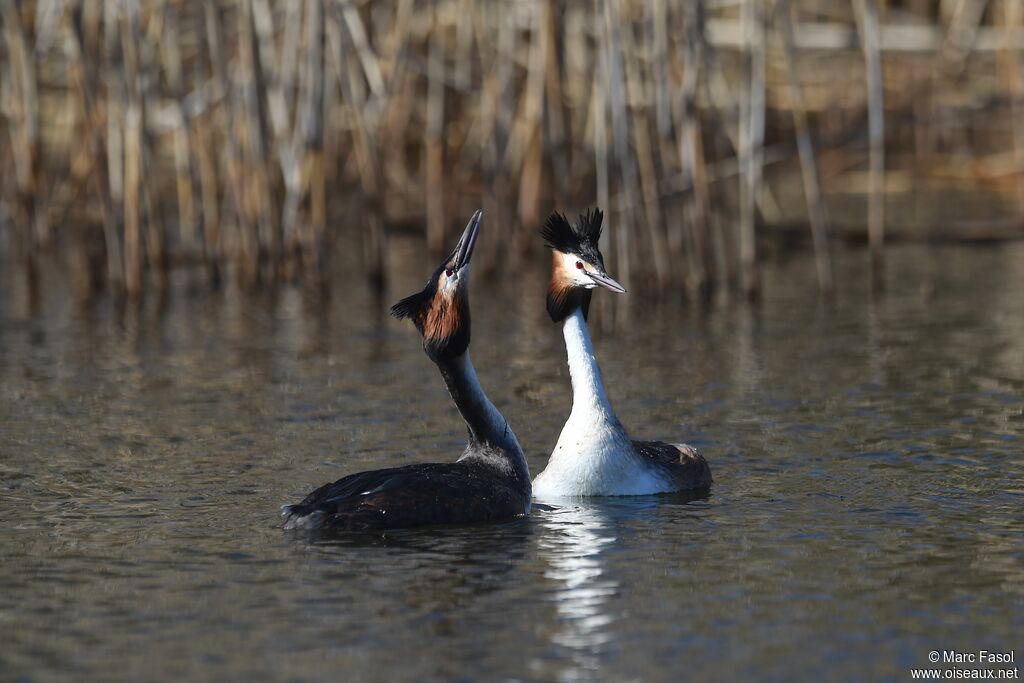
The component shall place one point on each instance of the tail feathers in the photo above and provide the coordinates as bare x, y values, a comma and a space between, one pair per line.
299, 515
691, 457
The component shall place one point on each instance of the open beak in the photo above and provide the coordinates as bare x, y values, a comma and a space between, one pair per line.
464, 249
605, 281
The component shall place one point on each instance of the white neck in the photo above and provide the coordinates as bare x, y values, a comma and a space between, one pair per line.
594, 455
588, 394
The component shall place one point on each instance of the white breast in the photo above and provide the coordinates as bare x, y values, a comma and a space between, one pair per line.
596, 460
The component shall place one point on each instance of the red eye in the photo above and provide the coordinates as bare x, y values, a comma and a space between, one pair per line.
449, 272
579, 264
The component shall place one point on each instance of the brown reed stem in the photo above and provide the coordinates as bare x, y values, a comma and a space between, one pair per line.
1012, 18
434, 172
751, 141
867, 14
816, 210
691, 150
22, 109
643, 149
620, 135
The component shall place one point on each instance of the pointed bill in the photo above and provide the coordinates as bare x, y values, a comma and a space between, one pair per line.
606, 281
464, 249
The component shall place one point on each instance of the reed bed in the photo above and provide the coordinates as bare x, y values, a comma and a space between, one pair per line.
249, 138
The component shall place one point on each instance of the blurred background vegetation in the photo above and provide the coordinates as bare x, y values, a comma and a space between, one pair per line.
251, 139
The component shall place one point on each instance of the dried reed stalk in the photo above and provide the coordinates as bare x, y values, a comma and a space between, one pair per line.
867, 15
231, 132
816, 211
752, 122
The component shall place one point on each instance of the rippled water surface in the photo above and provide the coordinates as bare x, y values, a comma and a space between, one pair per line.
867, 505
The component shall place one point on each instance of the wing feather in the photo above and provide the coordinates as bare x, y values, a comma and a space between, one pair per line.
680, 463
414, 495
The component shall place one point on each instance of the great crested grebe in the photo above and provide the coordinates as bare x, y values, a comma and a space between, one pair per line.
489, 482
594, 455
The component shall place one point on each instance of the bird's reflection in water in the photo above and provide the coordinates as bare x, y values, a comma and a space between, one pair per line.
574, 545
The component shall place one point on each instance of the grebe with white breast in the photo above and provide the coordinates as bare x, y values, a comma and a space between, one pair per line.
594, 455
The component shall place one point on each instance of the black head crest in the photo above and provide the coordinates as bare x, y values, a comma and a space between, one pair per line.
580, 239
415, 305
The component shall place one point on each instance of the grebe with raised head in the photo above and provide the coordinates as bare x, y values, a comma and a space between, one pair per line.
594, 455
489, 482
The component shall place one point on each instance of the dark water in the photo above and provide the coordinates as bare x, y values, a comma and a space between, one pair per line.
867, 506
